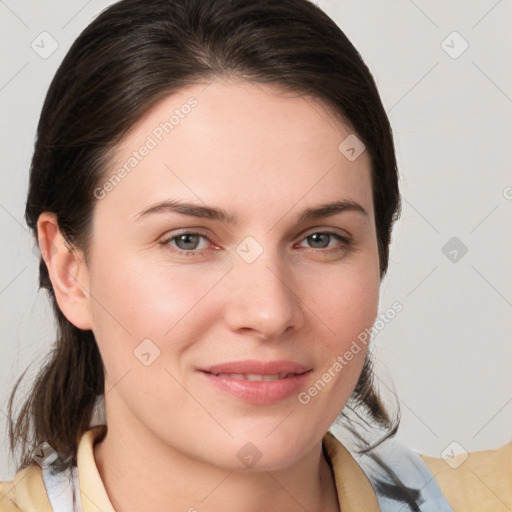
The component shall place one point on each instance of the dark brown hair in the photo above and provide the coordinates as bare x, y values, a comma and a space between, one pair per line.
132, 55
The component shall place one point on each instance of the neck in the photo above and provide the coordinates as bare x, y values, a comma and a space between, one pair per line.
153, 476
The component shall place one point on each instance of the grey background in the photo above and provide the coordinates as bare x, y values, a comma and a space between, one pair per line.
449, 351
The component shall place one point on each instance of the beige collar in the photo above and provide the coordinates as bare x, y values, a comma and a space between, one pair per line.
27, 491
355, 492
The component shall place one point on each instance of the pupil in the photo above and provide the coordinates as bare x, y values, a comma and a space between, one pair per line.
186, 238
318, 236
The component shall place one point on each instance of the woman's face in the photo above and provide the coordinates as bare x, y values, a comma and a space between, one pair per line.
177, 291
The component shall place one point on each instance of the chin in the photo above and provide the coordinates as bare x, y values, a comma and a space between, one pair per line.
257, 454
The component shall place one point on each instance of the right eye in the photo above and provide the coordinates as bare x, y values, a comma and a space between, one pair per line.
185, 243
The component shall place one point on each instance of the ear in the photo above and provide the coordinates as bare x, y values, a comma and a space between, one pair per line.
67, 270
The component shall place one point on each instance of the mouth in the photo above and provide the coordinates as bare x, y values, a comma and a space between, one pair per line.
254, 377
255, 368
258, 382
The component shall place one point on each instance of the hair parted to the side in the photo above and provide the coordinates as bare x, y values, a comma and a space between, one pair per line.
132, 55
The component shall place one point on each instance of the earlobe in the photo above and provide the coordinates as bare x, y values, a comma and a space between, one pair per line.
67, 271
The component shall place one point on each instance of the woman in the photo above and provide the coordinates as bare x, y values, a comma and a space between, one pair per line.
252, 132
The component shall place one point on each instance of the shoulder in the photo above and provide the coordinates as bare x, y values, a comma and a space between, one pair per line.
25, 493
404, 479
475, 481
399, 477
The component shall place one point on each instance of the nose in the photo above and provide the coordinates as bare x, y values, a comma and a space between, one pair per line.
263, 301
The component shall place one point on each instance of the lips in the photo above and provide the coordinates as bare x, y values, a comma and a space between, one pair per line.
258, 382
253, 377
258, 368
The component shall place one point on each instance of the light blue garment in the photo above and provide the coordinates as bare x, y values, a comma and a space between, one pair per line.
63, 489
411, 485
422, 493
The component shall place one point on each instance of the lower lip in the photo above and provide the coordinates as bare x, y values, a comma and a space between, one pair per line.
262, 392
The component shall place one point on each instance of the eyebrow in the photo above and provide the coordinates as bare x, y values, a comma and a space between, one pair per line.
210, 212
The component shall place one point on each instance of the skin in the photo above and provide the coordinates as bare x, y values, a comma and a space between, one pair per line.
263, 156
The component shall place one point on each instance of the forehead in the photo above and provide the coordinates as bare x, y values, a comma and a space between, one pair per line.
232, 140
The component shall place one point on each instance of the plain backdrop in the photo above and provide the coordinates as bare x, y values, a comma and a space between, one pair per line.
444, 75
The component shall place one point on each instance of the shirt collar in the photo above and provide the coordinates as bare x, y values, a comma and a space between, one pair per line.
92, 491
354, 490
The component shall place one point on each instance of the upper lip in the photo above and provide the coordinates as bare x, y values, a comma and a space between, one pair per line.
256, 367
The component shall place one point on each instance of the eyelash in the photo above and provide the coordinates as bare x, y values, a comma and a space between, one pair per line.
346, 243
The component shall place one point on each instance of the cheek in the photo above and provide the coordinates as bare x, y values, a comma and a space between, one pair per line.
136, 301
145, 298
347, 306
346, 301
